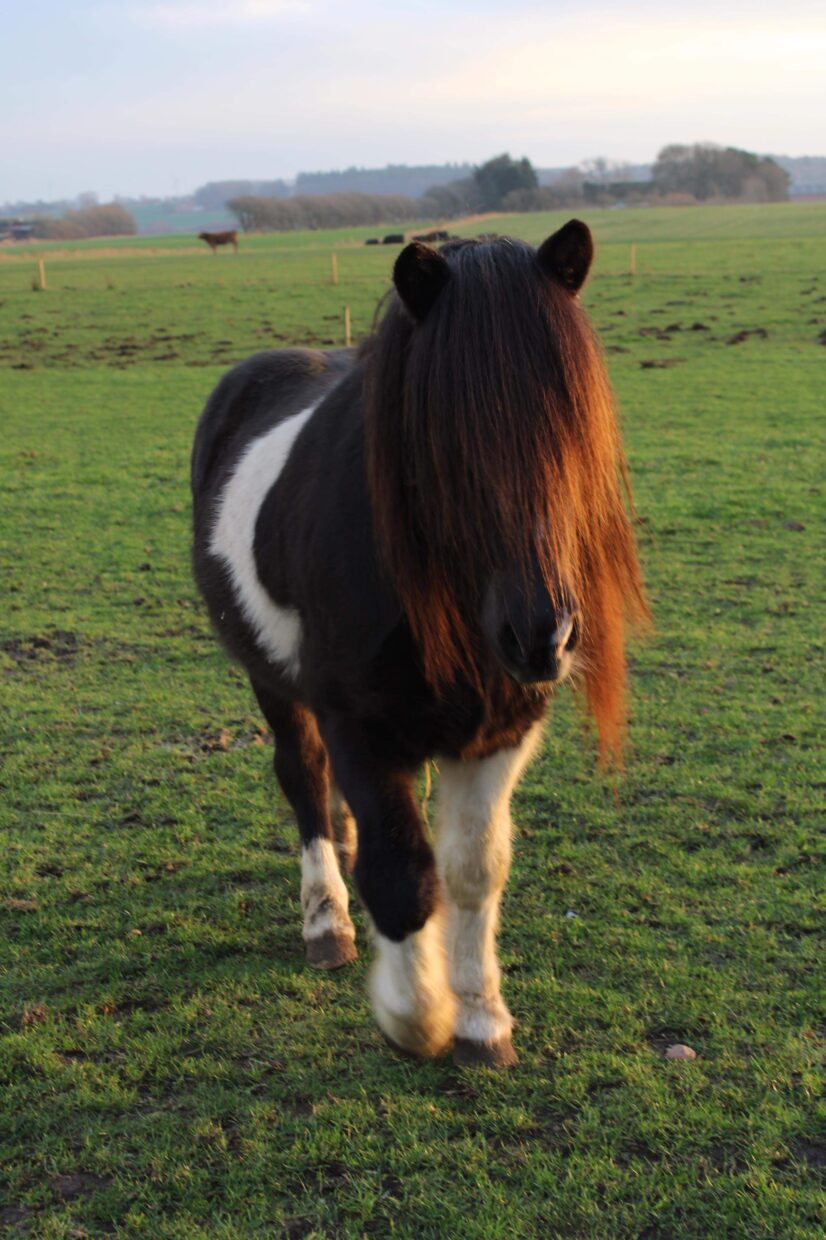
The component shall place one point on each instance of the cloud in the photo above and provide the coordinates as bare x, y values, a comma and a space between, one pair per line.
194, 16
586, 67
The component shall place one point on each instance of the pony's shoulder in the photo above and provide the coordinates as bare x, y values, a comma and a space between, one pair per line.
256, 395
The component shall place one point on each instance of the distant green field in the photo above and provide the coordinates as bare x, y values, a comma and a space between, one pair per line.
168, 1066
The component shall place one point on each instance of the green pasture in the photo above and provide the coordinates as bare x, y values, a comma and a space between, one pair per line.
168, 1066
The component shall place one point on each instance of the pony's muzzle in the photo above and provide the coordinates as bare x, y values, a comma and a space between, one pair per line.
531, 630
541, 652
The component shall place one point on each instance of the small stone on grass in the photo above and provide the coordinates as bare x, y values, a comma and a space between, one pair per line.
680, 1051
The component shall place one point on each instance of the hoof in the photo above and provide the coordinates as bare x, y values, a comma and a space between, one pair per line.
423, 1039
499, 1054
426, 1045
400, 1050
330, 951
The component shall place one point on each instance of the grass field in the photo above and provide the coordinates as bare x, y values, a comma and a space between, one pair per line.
168, 1066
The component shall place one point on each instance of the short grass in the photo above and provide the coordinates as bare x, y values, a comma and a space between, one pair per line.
169, 1066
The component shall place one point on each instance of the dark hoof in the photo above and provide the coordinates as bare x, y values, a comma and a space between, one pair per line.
499, 1054
330, 951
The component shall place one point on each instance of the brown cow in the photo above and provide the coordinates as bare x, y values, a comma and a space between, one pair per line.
214, 239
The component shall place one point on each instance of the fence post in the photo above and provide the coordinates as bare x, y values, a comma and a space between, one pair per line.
41, 271
632, 267
348, 337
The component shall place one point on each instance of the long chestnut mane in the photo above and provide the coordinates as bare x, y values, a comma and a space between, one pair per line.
491, 438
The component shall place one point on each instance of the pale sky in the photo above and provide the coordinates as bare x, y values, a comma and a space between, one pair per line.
160, 96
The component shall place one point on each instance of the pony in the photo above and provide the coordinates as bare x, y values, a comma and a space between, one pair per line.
214, 239
409, 547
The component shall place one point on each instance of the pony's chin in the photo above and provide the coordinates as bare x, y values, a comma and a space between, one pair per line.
541, 683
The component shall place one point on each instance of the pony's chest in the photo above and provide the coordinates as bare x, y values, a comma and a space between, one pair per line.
510, 711
463, 721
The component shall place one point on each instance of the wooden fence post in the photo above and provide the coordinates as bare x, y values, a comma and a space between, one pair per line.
41, 271
348, 337
632, 268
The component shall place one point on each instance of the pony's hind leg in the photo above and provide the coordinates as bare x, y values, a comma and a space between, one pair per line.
473, 850
396, 877
344, 830
302, 770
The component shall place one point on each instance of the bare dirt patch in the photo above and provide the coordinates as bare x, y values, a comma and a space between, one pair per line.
58, 644
756, 333
72, 1185
12, 1215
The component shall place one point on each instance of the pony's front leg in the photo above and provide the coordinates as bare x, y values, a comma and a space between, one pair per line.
473, 848
412, 1000
396, 876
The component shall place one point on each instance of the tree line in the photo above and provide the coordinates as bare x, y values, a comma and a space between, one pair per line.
108, 219
695, 173
257, 213
705, 172
699, 173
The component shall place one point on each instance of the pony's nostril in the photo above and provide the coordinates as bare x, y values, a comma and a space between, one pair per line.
509, 643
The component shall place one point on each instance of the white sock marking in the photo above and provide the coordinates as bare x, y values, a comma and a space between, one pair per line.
473, 851
412, 999
324, 899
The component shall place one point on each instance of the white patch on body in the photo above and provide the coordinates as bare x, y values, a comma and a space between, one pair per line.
473, 853
277, 629
324, 899
411, 996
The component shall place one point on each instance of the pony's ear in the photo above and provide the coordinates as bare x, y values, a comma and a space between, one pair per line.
419, 275
566, 255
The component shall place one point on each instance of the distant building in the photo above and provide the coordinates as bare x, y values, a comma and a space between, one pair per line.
16, 230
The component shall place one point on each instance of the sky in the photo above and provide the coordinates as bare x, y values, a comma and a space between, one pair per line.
157, 97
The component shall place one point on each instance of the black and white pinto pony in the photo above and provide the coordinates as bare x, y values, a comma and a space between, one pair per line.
408, 547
